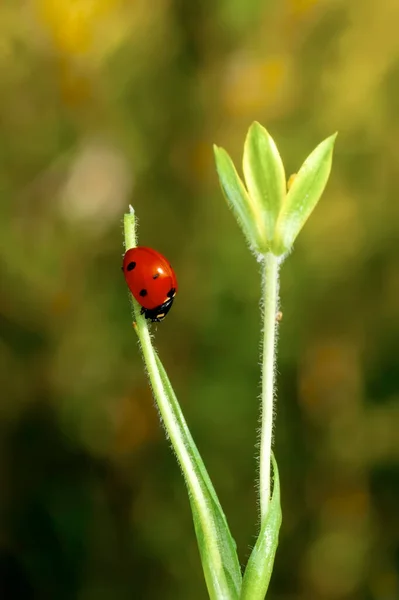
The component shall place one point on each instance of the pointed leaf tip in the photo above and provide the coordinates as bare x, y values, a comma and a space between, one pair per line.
303, 195
264, 176
238, 199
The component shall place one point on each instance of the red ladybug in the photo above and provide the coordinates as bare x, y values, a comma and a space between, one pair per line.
151, 280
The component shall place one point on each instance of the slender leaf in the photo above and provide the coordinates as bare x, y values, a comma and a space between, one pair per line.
264, 175
217, 546
303, 195
247, 212
260, 565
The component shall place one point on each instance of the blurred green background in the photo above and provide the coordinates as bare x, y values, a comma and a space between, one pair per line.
107, 102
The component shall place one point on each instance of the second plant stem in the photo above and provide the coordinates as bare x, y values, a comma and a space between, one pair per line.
270, 289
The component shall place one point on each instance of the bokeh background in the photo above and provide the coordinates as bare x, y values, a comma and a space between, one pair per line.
109, 102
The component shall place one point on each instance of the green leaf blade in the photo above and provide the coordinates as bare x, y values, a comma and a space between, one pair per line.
216, 545
260, 565
239, 200
264, 175
303, 195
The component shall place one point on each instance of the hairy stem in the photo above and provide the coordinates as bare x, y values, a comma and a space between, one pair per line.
196, 477
161, 397
270, 308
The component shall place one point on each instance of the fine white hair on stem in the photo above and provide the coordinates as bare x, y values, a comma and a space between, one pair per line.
270, 295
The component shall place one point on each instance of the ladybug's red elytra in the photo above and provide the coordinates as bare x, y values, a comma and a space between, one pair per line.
151, 280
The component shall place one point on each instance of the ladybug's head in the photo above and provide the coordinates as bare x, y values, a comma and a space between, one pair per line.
158, 313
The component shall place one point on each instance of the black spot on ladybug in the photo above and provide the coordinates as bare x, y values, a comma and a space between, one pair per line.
143, 293
171, 293
155, 276
131, 266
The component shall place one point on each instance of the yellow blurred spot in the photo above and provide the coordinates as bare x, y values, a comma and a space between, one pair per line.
72, 22
301, 7
253, 85
83, 33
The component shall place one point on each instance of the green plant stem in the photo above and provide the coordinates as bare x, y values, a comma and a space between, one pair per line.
159, 391
174, 431
177, 431
270, 308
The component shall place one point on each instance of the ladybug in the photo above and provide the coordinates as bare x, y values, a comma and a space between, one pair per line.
151, 280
